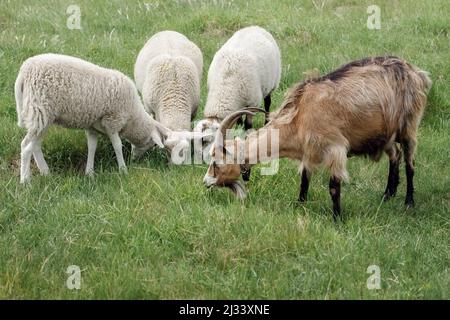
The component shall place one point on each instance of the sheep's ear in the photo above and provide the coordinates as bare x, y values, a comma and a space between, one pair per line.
156, 136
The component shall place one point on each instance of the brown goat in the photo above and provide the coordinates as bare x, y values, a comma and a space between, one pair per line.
363, 108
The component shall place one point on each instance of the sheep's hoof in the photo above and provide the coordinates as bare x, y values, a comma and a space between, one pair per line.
25, 180
45, 172
123, 170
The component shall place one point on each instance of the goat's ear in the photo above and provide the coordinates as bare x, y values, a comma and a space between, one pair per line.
156, 136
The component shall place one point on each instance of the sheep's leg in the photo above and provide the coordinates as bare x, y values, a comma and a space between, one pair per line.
409, 146
335, 193
117, 145
267, 103
92, 138
27, 147
395, 155
39, 157
304, 185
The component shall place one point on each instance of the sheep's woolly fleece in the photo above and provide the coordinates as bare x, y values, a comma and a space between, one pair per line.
245, 70
168, 73
74, 93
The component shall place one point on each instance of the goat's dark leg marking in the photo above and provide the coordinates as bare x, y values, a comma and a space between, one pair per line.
335, 193
394, 177
267, 103
408, 149
304, 185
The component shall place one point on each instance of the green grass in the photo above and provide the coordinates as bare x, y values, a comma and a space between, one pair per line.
158, 233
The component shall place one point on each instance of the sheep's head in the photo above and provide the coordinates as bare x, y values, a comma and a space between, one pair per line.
207, 126
151, 141
179, 142
225, 168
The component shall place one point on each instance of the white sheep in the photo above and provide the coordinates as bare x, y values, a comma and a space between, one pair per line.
58, 89
245, 70
168, 72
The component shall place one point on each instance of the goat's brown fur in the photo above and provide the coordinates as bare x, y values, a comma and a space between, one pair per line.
362, 108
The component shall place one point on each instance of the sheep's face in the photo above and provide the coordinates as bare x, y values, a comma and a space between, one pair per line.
138, 150
179, 144
207, 126
224, 171
178, 148
152, 140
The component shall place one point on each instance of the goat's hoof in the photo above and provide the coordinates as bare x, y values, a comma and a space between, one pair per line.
409, 204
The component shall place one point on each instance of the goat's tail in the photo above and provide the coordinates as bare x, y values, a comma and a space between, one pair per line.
425, 77
18, 91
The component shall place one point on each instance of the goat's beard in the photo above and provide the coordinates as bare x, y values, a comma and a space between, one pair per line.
238, 189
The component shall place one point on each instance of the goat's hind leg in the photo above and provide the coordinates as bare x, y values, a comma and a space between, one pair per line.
395, 155
409, 146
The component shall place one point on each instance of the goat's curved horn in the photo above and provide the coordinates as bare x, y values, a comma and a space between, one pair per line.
231, 119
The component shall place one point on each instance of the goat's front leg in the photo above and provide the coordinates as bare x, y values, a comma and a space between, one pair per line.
335, 193
91, 136
304, 185
117, 145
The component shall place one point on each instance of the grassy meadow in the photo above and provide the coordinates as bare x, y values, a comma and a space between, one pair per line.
158, 233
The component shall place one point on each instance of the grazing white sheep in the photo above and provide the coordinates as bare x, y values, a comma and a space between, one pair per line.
58, 89
168, 72
245, 70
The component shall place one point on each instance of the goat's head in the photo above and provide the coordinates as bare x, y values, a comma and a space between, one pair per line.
225, 168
